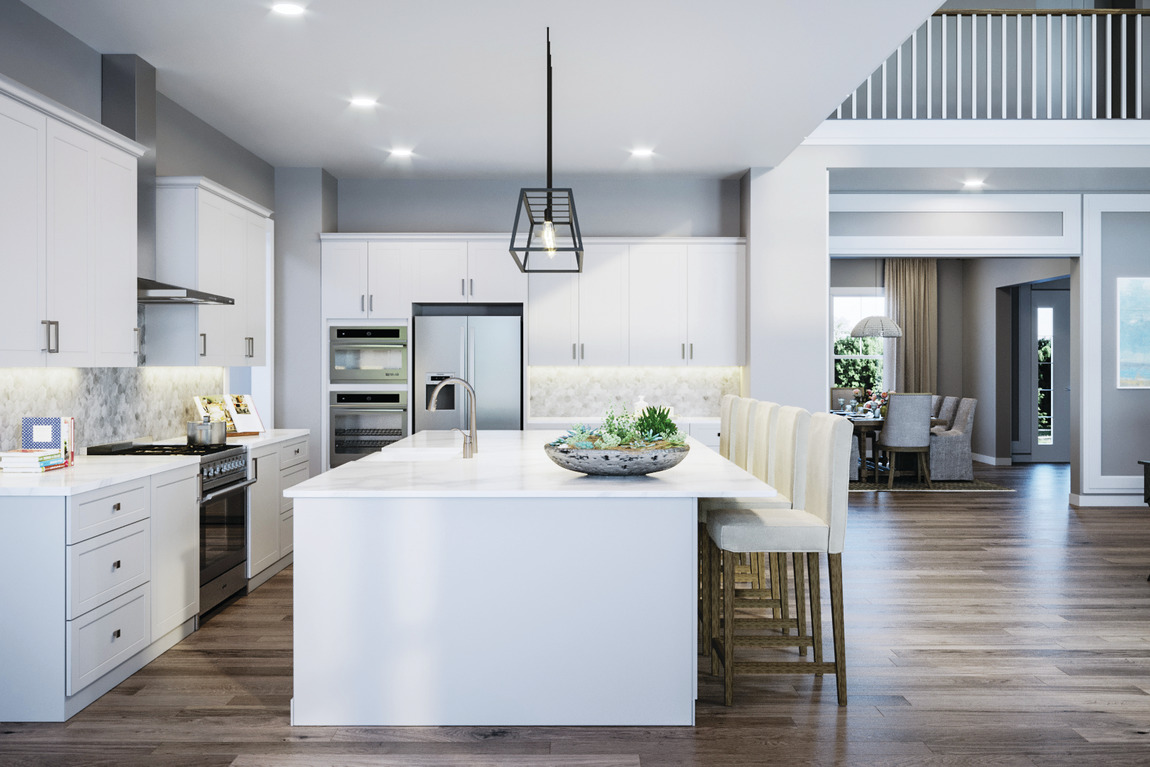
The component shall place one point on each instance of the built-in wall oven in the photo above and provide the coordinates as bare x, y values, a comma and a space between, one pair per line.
362, 422
368, 355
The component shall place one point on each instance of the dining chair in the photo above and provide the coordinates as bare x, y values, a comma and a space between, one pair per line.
946, 412
935, 404
906, 429
845, 393
950, 456
816, 527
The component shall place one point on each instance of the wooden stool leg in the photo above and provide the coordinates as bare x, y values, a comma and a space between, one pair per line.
890, 462
816, 606
835, 565
800, 600
775, 586
784, 598
728, 629
704, 591
714, 559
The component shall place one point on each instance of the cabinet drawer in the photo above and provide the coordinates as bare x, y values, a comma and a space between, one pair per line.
289, 478
286, 525
107, 566
707, 433
106, 509
102, 639
292, 453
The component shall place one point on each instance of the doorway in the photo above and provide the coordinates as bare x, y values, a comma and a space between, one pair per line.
1042, 373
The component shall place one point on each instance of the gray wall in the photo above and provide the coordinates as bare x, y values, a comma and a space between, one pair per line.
42, 56
607, 206
307, 205
857, 272
188, 146
983, 338
950, 327
1125, 412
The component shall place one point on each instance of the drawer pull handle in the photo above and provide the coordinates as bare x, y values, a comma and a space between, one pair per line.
297, 451
116, 565
116, 634
115, 507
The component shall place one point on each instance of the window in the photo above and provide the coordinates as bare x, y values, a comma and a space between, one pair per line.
1045, 352
858, 362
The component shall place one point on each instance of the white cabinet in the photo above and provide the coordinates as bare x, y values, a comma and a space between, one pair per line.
175, 583
581, 319
686, 304
276, 467
363, 280
68, 232
264, 510
211, 239
380, 278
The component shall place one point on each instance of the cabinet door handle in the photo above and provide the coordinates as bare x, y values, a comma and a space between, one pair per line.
371, 302
49, 326
683, 351
116, 565
692, 351
136, 348
116, 506
573, 352
463, 286
472, 281
255, 469
361, 307
116, 634
203, 344
580, 351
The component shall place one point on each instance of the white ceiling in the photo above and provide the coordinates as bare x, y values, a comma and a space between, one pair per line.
713, 87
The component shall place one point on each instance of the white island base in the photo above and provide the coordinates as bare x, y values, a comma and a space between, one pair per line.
506, 592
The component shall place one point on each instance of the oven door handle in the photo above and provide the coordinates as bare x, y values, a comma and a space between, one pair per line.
228, 490
344, 410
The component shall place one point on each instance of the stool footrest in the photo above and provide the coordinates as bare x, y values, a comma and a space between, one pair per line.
785, 667
783, 641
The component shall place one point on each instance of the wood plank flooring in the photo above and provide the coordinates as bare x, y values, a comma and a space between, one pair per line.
982, 629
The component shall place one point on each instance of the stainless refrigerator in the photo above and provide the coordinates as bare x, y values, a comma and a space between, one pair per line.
485, 351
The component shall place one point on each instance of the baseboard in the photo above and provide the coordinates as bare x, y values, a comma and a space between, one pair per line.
1079, 500
263, 576
991, 460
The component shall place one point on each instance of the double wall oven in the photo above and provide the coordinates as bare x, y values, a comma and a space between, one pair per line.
368, 398
223, 513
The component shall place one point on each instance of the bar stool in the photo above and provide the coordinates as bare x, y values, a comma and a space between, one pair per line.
818, 527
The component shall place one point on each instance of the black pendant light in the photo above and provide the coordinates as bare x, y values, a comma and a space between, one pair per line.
551, 241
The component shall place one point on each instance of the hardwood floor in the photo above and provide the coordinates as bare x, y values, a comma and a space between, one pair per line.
982, 628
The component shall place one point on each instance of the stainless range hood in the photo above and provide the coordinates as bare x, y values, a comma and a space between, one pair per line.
153, 292
128, 106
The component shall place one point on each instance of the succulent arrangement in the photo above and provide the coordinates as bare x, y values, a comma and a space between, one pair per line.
652, 428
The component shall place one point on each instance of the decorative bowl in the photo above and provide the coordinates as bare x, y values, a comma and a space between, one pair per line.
618, 463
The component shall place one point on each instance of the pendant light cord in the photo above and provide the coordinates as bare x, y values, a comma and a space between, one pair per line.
547, 214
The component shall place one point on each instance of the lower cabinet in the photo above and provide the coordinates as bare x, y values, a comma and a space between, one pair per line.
275, 468
92, 587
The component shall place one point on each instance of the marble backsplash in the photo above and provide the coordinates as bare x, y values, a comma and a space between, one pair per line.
109, 404
588, 391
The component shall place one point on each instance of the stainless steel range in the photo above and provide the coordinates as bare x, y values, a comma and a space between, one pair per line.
223, 513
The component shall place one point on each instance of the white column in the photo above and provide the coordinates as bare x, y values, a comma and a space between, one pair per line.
788, 321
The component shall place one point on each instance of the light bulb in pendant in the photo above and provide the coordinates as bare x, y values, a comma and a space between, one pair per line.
548, 237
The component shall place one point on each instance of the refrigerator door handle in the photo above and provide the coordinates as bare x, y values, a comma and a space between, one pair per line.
464, 373
470, 378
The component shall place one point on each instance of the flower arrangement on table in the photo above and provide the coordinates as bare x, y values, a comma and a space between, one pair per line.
877, 400
624, 444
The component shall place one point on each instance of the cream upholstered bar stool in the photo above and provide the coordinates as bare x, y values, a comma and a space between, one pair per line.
816, 528
726, 408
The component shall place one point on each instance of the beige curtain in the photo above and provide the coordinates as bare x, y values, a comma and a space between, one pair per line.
912, 302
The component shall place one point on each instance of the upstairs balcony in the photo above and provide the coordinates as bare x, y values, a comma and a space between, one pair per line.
1011, 65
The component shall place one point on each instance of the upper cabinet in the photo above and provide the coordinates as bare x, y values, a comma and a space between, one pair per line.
68, 233
211, 239
378, 276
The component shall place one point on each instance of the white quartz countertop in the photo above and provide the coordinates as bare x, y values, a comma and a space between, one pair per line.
91, 472
512, 464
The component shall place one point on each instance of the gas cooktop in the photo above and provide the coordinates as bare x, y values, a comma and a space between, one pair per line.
130, 448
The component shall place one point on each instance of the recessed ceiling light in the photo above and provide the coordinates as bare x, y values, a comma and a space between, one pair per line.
402, 152
363, 101
642, 152
288, 9
972, 183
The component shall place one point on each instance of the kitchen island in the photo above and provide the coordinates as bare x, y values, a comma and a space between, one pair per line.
498, 590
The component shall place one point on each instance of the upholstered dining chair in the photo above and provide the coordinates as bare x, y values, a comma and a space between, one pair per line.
946, 413
935, 404
845, 393
950, 456
906, 429
817, 527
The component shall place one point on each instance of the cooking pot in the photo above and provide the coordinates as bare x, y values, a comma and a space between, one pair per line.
207, 432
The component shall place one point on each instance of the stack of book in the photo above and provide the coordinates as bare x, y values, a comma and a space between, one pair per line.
32, 460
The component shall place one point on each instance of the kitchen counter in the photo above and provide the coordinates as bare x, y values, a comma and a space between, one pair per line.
90, 472
500, 590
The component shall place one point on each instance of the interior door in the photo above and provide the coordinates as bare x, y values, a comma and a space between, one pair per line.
1050, 368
